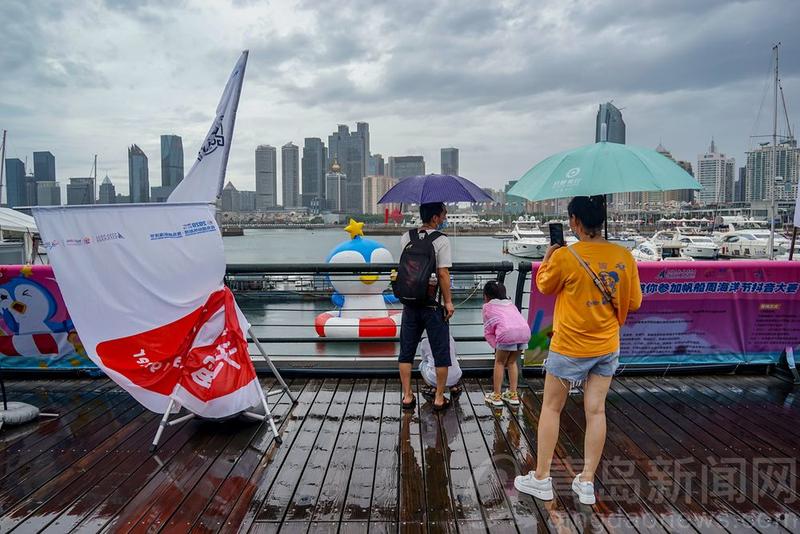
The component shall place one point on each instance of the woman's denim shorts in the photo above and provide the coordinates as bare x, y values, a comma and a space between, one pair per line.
576, 370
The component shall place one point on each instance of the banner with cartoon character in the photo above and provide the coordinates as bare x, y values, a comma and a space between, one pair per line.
694, 313
36, 331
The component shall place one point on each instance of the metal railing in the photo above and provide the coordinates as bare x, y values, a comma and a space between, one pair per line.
282, 301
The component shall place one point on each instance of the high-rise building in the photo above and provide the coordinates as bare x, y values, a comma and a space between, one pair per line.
610, 127
351, 151
374, 188
161, 193
171, 161
48, 193
315, 157
230, 198
679, 195
44, 167
138, 175
514, 205
684, 195
377, 166
404, 166
290, 175
450, 161
247, 200
30, 190
715, 174
614, 128
108, 193
740, 186
761, 171
335, 188
80, 191
266, 177
15, 180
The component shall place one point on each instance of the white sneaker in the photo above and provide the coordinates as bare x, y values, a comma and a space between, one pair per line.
494, 399
584, 490
541, 489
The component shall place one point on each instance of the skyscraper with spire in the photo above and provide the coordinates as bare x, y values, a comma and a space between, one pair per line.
351, 152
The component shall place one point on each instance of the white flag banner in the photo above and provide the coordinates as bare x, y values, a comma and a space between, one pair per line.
205, 178
143, 285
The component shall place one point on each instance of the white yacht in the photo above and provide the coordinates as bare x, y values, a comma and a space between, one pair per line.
528, 240
664, 251
700, 247
752, 244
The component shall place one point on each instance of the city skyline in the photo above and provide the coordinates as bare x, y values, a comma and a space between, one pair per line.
314, 66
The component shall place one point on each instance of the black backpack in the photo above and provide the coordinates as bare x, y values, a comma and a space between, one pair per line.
417, 263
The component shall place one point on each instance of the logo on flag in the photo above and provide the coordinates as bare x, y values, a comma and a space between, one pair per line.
215, 138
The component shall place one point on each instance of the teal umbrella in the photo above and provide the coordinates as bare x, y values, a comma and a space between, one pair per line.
600, 169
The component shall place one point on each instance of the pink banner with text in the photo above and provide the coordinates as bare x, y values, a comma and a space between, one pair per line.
701, 312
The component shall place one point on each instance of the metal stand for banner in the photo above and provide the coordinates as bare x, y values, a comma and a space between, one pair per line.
267, 416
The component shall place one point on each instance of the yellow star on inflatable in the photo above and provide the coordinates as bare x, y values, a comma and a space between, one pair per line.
355, 228
26, 271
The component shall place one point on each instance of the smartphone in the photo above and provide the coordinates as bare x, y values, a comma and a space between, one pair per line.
557, 234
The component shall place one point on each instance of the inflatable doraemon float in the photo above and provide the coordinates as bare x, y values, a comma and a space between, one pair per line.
360, 300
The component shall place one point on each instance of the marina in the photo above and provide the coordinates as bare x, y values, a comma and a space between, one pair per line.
571, 332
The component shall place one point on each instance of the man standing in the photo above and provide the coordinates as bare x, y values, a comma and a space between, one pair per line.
428, 315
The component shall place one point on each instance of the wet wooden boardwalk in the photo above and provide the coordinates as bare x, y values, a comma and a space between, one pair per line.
696, 454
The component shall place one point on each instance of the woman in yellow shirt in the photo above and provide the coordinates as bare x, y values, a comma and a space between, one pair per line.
596, 284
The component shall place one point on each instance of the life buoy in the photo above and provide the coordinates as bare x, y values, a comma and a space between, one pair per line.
330, 324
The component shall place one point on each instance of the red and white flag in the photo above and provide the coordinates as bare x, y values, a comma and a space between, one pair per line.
144, 286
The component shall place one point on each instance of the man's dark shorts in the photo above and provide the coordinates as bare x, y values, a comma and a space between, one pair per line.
430, 319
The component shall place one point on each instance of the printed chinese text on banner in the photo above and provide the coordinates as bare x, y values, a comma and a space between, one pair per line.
698, 313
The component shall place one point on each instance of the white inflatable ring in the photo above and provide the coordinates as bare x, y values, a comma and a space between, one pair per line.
329, 324
18, 413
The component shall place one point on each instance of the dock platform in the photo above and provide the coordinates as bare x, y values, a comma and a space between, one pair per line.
684, 454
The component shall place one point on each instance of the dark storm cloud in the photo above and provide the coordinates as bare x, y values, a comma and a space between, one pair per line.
476, 54
96, 76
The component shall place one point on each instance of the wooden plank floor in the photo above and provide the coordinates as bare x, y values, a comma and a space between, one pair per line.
684, 454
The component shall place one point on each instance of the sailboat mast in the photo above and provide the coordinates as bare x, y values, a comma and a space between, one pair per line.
774, 159
2, 164
94, 182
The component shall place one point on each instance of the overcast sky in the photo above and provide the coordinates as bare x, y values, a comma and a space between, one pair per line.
508, 83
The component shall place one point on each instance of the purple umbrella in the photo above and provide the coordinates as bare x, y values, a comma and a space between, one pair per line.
434, 188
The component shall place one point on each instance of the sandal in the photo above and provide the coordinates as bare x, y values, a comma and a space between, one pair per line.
456, 391
441, 407
429, 393
410, 405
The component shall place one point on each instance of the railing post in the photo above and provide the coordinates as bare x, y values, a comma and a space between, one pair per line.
523, 269
504, 268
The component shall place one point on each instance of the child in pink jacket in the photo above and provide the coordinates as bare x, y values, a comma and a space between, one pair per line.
508, 333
